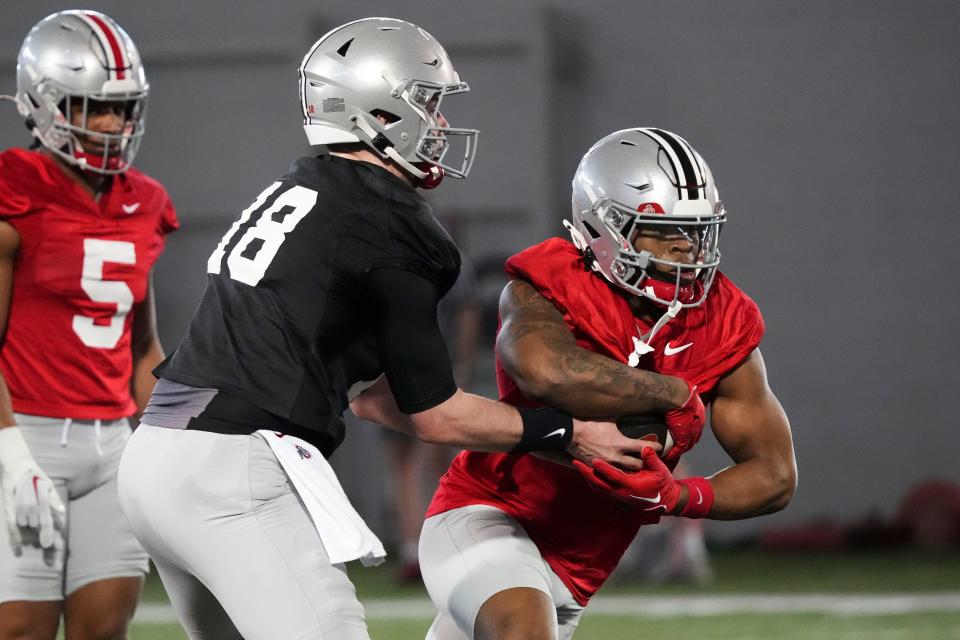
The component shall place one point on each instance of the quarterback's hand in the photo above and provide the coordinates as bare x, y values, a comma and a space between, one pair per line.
603, 440
652, 489
686, 425
30, 499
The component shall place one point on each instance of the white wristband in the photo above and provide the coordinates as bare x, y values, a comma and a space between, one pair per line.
15, 456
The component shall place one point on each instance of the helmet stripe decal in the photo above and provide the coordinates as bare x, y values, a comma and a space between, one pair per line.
687, 159
693, 181
671, 156
111, 43
101, 40
698, 165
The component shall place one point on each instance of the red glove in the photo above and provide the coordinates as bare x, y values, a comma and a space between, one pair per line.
653, 488
685, 424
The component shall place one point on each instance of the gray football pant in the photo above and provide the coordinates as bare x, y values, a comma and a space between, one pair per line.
470, 554
233, 543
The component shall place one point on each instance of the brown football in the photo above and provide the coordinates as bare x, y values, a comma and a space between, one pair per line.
647, 427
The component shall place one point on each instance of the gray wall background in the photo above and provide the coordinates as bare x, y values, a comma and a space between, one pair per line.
832, 129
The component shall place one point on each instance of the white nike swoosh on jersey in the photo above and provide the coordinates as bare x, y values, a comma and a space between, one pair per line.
130, 208
559, 432
654, 500
671, 351
699, 496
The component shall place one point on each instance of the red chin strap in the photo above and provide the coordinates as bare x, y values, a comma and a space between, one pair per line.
434, 175
666, 290
97, 160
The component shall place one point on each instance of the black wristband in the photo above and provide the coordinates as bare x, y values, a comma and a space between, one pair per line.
544, 430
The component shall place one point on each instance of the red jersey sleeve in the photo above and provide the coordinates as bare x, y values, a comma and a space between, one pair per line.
168, 222
594, 312
14, 196
154, 203
705, 343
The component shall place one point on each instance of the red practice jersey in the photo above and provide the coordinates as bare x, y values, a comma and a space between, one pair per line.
81, 267
579, 532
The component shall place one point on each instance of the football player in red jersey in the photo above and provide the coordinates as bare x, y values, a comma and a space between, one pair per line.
514, 546
80, 230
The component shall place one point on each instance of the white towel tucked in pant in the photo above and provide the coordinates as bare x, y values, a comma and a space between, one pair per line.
344, 533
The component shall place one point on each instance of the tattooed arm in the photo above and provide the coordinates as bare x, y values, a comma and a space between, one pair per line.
537, 349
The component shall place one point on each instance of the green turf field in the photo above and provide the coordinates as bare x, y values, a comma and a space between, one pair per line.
738, 572
761, 572
753, 627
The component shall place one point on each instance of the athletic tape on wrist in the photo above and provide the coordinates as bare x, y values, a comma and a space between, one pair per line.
700, 498
544, 430
13, 447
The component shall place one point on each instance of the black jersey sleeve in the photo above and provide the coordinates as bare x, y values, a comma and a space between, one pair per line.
412, 351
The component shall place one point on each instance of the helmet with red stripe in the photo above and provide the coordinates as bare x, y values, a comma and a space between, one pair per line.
72, 67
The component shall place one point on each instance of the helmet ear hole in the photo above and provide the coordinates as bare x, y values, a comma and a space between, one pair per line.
593, 232
385, 116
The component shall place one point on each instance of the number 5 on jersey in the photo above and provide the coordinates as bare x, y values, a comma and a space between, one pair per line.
249, 258
95, 253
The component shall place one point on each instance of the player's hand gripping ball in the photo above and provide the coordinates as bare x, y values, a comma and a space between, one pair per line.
647, 427
685, 424
676, 431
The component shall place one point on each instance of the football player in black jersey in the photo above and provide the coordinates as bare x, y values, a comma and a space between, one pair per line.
322, 293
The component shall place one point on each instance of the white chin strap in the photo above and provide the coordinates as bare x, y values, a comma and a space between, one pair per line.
390, 151
670, 314
641, 345
580, 242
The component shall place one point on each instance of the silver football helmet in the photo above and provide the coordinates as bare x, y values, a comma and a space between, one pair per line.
648, 181
74, 63
392, 69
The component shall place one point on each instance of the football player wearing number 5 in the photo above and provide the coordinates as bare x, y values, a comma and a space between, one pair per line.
515, 546
80, 230
324, 291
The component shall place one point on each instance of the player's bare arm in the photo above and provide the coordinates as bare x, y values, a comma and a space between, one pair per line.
539, 352
480, 424
752, 427
463, 420
147, 351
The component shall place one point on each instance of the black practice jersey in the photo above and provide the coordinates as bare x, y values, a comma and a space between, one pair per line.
330, 277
